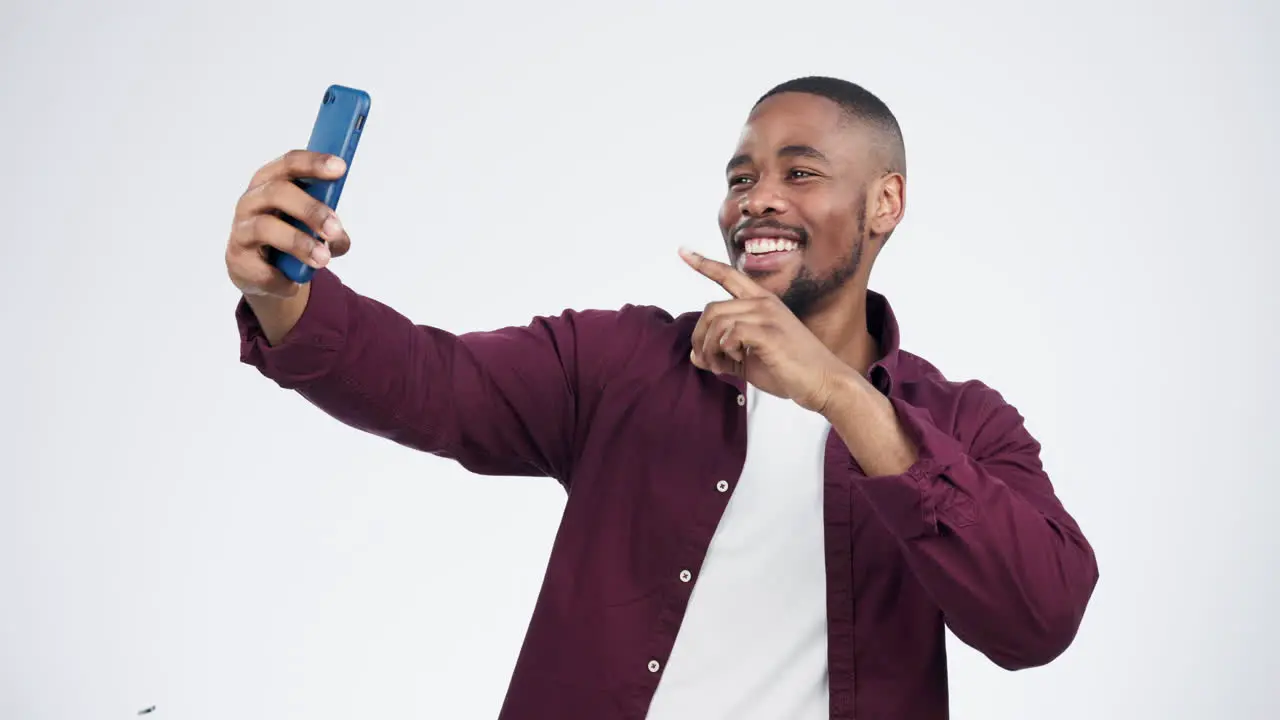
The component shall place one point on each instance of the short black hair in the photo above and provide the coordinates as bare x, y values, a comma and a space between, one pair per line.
860, 105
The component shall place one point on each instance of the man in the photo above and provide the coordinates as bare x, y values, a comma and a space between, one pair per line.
773, 511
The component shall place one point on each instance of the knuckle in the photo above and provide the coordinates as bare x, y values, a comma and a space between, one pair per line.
273, 169
274, 188
263, 175
238, 238
303, 243
257, 228
241, 232
259, 194
318, 212
300, 240
255, 191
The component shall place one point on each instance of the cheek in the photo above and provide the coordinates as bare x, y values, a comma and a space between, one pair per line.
838, 225
728, 215
833, 239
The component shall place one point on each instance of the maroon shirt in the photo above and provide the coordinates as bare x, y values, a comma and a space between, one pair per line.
649, 449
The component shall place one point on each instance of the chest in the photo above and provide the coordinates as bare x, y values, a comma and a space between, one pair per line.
664, 467
782, 477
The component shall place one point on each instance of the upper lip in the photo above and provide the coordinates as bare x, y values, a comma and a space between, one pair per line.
742, 235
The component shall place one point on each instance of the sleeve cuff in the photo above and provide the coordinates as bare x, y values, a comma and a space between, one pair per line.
311, 349
935, 449
909, 503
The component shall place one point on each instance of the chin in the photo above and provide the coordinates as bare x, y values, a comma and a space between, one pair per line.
775, 281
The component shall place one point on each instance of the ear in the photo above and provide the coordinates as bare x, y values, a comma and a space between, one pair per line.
888, 203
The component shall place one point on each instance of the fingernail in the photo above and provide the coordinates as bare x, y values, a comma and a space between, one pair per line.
334, 164
320, 255
332, 227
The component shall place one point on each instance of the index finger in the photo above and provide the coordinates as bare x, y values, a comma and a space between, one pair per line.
300, 164
728, 277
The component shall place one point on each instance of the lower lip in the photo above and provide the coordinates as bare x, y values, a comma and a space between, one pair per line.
767, 262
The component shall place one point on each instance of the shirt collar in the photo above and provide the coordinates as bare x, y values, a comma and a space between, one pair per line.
883, 326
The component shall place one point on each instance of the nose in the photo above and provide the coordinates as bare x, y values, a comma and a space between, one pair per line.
763, 200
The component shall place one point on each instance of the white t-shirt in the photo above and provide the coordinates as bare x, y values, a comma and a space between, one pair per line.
753, 643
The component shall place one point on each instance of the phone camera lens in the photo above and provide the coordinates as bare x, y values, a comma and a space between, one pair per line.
328, 97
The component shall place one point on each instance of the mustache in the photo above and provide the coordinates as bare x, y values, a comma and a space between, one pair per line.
771, 225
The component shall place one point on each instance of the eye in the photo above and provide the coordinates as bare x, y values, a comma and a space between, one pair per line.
799, 174
739, 180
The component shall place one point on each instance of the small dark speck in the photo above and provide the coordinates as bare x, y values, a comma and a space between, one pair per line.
147, 710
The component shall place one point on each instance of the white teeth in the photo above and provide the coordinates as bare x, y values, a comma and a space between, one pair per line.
761, 245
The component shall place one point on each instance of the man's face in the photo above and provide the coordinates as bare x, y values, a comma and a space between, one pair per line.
794, 217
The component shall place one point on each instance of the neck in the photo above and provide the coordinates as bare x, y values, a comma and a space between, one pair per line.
841, 325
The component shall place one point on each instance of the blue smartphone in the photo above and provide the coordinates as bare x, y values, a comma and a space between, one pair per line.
343, 112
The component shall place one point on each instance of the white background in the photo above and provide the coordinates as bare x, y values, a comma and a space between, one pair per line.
1088, 231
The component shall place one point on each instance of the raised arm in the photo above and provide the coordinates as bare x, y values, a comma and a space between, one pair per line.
504, 402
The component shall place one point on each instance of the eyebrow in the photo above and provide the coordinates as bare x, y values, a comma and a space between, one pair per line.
792, 151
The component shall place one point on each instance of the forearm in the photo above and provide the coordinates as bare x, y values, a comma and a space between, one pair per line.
865, 419
1009, 569
358, 361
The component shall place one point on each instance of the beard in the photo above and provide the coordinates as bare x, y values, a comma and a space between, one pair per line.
807, 291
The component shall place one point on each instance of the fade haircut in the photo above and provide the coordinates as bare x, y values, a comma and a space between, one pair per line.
860, 106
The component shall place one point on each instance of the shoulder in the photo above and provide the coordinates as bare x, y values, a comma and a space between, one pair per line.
970, 410
632, 340
631, 323
629, 326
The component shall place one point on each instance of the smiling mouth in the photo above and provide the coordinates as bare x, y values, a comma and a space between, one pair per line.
762, 254
767, 245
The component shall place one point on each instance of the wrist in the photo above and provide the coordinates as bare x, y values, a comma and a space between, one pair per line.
847, 392
277, 315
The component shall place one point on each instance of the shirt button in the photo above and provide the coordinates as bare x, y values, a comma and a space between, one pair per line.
723, 486
742, 400
685, 576
654, 666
